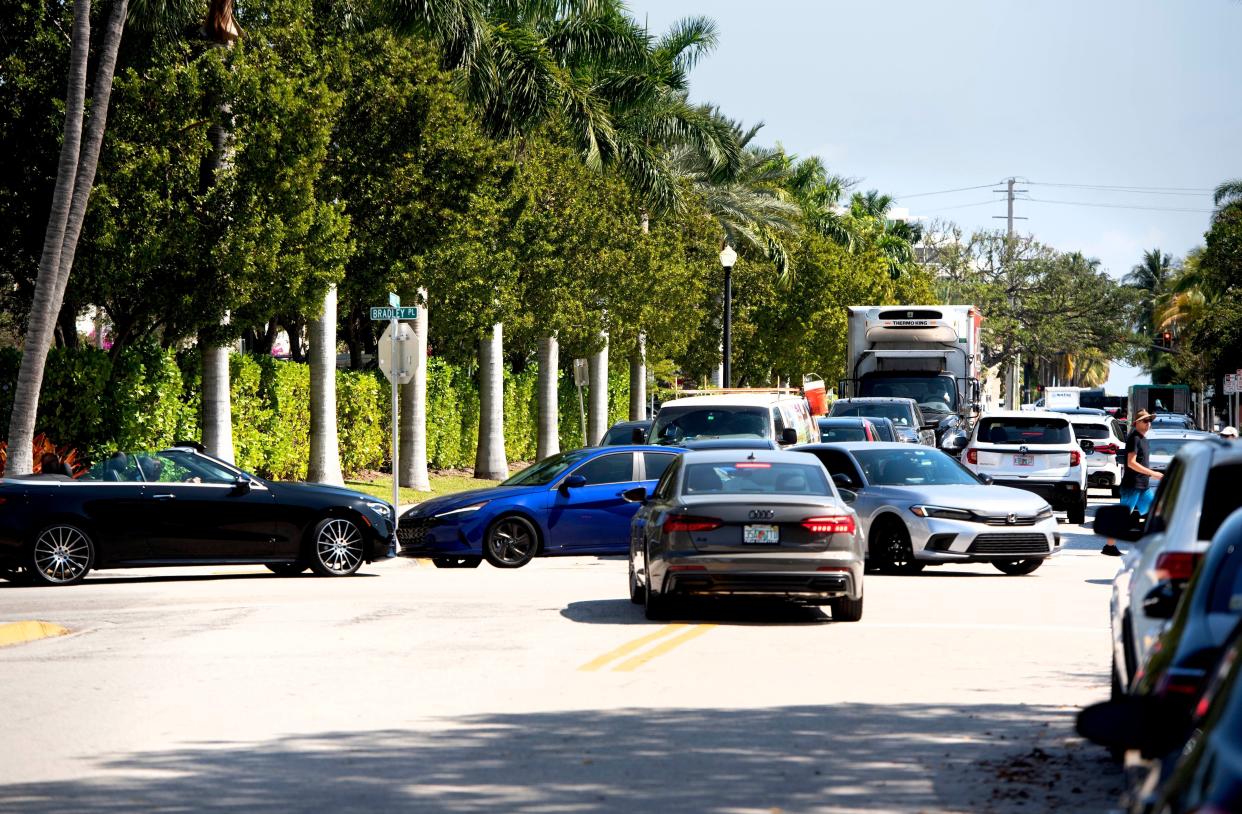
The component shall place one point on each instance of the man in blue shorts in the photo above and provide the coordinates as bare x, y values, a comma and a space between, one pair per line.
1138, 482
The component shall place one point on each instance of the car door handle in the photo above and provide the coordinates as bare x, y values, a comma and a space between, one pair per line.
163, 497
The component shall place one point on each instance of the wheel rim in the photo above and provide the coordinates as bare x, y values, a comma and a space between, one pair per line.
339, 546
512, 542
62, 554
896, 550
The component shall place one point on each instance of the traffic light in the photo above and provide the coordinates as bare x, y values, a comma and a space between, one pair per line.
1167, 338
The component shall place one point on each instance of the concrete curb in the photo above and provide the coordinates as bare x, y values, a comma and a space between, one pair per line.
29, 630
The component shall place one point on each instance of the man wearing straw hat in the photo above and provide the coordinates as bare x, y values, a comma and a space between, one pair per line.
1138, 483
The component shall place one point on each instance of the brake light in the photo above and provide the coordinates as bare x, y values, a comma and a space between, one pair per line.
972, 456
1176, 565
1075, 457
1185, 686
688, 522
752, 465
1106, 449
830, 524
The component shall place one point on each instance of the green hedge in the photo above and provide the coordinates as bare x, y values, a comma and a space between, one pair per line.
147, 397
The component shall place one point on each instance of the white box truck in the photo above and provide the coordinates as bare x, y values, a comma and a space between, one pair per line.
930, 353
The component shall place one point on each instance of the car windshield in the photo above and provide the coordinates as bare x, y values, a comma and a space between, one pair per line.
830, 433
619, 436
676, 424
756, 477
547, 470
899, 413
169, 466
1092, 431
1024, 431
937, 394
912, 467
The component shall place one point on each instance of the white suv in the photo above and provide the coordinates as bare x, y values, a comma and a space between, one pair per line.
1033, 450
1104, 463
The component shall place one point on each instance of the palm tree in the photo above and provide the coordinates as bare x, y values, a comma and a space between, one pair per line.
325, 453
75, 177
1228, 194
1151, 278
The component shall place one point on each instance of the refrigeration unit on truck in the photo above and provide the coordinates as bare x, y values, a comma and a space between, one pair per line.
930, 353
1159, 398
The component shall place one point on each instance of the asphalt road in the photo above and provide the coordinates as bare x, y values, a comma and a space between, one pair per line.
411, 688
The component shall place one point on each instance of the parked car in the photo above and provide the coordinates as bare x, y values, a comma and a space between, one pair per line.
1163, 444
1198, 491
622, 433
781, 417
920, 507
180, 506
836, 430
1172, 421
1106, 460
904, 413
762, 524
1035, 451
566, 504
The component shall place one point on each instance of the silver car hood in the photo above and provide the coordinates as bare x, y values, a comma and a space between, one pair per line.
998, 500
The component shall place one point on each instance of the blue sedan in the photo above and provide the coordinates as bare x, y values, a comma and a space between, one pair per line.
566, 504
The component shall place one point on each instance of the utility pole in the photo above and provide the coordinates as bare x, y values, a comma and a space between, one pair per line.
1011, 374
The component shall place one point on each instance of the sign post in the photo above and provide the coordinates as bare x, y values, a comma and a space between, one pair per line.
395, 352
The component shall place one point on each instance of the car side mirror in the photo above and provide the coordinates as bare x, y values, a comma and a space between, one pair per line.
636, 495
638, 436
1161, 601
789, 436
573, 482
1146, 722
1116, 521
242, 485
954, 442
1088, 446
984, 478
847, 495
842, 480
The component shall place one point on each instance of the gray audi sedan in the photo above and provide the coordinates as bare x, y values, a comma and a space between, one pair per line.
920, 507
746, 523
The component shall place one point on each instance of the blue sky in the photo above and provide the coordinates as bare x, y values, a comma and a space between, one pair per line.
916, 97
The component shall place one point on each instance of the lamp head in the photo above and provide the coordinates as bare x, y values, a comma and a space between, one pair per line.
728, 257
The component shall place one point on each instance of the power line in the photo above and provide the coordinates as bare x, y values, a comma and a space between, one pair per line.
1135, 189
962, 206
1119, 206
941, 192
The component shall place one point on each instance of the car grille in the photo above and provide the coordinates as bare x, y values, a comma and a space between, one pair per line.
412, 535
1004, 520
1009, 544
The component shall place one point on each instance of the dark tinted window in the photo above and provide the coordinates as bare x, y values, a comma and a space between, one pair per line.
838, 463
618, 436
1092, 431
756, 477
1220, 499
1227, 588
664, 489
656, 462
675, 424
884, 431
1017, 430
900, 414
617, 468
828, 434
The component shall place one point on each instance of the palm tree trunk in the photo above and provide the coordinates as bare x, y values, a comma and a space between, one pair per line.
548, 435
597, 408
638, 380
325, 452
414, 409
44, 309
217, 400
489, 461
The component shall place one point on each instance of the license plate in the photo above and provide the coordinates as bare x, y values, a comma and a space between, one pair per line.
1024, 460
761, 535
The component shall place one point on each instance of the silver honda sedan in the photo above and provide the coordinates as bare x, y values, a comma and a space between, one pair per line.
920, 507
746, 523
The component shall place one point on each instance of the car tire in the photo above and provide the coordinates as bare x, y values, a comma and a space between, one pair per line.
61, 554
337, 547
510, 542
1018, 568
890, 548
636, 591
456, 562
1077, 514
286, 569
656, 606
845, 609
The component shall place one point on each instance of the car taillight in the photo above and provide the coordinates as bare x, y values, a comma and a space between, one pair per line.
688, 522
1106, 449
1176, 565
830, 524
1075, 457
1186, 686
972, 456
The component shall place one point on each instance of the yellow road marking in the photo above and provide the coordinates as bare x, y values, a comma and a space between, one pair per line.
629, 647
661, 649
28, 631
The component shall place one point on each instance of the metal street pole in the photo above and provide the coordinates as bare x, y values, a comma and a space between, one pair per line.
728, 257
396, 442
1011, 375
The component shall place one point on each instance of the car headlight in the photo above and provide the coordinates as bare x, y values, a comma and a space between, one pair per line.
1044, 513
474, 507
382, 509
942, 512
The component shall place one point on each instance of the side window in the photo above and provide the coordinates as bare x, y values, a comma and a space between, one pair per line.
1221, 497
655, 464
1227, 592
664, 489
778, 422
617, 468
1166, 497
837, 462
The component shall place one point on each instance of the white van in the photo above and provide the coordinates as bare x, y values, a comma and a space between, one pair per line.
784, 418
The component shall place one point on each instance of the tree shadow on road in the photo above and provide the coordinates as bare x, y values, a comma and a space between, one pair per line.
840, 758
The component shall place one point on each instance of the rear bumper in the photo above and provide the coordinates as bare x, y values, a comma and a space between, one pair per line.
810, 578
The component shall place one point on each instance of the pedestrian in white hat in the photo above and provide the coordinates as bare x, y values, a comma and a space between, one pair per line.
1229, 432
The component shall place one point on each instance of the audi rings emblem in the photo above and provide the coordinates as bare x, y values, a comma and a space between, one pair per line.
761, 514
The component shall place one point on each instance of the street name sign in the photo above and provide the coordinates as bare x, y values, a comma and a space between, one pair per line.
382, 314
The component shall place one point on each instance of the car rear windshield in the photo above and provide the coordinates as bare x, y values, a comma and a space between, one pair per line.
1093, 431
912, 467
1166, 446
1024, 431
756, 477
676, 424
828, 434
899, 413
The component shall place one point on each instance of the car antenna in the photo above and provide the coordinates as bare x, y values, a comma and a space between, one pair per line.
751, 456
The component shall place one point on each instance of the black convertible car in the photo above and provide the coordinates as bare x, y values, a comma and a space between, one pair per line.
181, 506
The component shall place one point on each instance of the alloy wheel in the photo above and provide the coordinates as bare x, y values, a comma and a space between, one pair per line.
511, 544
338, 547
61, 555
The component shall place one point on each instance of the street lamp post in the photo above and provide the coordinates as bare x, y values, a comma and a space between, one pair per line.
728, 257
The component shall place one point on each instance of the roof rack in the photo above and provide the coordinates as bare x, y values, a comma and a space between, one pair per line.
726, 391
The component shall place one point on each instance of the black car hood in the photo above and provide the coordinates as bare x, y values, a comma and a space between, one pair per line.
320, 489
